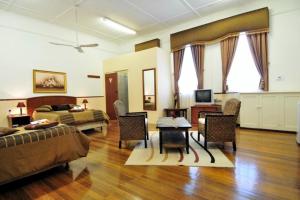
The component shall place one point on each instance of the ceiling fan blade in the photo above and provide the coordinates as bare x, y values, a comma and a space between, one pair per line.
60, 44
88, 45
79, 49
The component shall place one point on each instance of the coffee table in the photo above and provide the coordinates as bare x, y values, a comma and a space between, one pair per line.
170, 133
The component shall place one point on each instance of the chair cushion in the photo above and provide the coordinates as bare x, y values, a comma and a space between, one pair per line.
60, 107
76, 109
201, 125
7, 131
201, 120
120, 108
232, 107
40, 126
44, 108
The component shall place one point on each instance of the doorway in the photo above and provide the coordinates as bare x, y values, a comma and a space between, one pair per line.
116, 87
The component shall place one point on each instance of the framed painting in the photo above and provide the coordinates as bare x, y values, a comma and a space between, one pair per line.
49, 82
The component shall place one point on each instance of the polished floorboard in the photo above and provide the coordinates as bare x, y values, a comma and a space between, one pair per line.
267, 166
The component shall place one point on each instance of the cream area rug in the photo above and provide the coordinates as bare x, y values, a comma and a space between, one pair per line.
197, 155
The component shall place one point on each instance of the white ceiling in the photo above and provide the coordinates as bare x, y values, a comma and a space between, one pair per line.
144, 16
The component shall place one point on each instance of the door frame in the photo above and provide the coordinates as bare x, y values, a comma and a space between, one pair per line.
106, 96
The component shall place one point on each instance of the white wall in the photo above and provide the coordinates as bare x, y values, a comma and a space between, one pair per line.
25, 46
135, 63
164, 82
284, 43
284, 48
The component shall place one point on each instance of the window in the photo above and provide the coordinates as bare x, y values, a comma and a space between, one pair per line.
188, 79
243, 75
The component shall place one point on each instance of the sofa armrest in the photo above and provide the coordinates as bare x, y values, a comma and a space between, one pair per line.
132, 127
220, 127
137, 113
202, 114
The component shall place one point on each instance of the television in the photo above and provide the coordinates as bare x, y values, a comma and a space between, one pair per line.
204, 96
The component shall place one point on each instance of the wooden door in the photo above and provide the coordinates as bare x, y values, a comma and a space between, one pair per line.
111, 93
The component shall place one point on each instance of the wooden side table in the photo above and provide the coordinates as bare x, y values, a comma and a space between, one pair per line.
18, 120
200, 108
176, 112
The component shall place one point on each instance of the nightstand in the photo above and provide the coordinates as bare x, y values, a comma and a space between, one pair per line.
18, 120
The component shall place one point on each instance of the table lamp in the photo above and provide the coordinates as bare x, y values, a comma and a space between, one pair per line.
21, 105
85, 101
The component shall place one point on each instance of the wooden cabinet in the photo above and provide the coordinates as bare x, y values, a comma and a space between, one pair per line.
200, 108
270, 109
249, 112
274, 111
18, 120
289, 116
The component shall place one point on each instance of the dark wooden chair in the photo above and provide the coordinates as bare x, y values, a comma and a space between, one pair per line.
133, 125
220, 126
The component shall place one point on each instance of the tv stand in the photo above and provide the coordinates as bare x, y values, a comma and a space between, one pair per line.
201, 108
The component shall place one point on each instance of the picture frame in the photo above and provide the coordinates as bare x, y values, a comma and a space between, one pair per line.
49, 82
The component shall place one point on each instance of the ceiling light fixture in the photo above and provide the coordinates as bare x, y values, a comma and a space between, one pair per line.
117, 26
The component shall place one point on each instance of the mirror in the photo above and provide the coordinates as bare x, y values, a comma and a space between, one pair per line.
149, 89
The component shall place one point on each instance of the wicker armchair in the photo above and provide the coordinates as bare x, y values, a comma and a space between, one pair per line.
220, 126
133, 125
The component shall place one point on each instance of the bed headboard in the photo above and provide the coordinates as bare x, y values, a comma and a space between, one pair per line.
35, 102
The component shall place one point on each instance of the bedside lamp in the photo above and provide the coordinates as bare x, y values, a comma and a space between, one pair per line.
21, 105
85, 101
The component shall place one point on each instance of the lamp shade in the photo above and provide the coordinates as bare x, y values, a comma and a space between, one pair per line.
21, 105
85, 101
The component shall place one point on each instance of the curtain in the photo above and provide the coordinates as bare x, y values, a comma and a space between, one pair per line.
198, 58
256, 20
228, 47
177, 58
258, 43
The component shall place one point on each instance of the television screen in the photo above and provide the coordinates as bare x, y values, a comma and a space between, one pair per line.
204, 96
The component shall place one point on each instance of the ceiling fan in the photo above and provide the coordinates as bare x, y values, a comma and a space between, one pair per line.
78, 46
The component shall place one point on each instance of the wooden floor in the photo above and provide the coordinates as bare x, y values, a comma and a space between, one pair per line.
267, 166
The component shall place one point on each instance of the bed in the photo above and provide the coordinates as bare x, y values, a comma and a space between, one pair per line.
28, 152
88, 119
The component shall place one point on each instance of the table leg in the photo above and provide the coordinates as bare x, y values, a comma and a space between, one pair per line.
187, 144
160, 143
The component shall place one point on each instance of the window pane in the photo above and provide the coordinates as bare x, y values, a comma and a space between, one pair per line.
188, 79
243, 75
